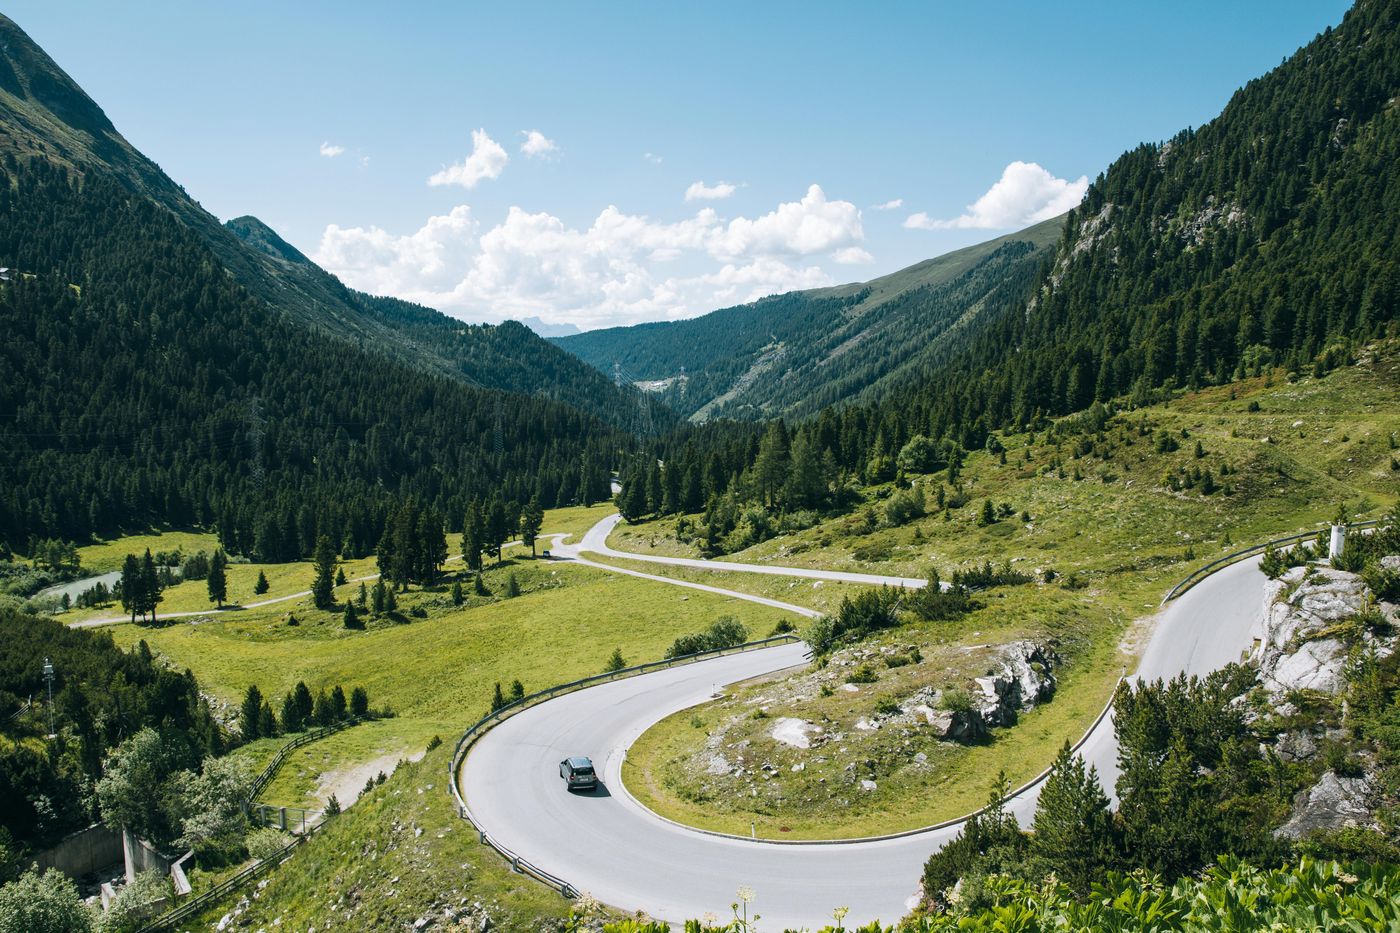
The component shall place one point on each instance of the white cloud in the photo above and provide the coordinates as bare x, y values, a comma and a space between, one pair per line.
653, 158
487, 160
812, 225
330, 150
699, 191
890, 205
852, 256
537, 145
622, 268
1025, 194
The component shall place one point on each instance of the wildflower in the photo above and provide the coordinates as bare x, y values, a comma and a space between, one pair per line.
710, 919
745, 893
839, 914
1347, 877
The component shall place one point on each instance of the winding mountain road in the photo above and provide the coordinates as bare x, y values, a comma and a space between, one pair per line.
610, 846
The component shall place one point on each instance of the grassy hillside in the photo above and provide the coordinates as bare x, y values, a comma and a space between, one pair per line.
1114, 505
796, 353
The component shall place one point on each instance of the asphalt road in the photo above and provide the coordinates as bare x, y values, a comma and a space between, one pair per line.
610, 846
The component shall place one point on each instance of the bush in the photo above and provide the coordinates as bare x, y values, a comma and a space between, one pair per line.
865, 674
267, 842
869, 611
43, 902
725, 632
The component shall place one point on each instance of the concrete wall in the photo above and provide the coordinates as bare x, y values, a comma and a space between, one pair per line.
84, 852
142, 856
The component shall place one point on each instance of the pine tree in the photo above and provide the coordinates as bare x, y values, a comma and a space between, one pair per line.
497, 530
498, 698
149, 587
479, 586
322, 712
531, 520
261, 586
305, 705
512, 587
363, 598
457, 596
250, 714
770, 467
338, 704
380, 600
217, 581
473, 535
131, 585
1073, 832
267, 722
351, 620
323, 588
291, 719
517, 691
359, 702
615, 661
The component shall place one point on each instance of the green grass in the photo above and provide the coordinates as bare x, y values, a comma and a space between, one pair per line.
1118, 527
107, 556
437, 673
575, 520
372, 869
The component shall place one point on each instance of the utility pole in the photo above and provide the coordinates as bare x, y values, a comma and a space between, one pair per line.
48, 678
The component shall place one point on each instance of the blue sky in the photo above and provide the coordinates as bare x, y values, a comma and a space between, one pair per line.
801, 122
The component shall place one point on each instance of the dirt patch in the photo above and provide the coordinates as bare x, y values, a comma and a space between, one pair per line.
346, 783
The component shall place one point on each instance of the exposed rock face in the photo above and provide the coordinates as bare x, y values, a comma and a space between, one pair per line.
1291, 656
1333, 802
1024, 680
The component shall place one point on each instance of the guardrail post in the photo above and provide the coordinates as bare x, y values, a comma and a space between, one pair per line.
515, 864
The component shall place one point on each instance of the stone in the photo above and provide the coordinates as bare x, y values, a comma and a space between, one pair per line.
867, 785
1299, 605
1298, 745
794, 732
1333, 802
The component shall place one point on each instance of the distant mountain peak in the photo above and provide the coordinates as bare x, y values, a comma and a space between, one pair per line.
263, 238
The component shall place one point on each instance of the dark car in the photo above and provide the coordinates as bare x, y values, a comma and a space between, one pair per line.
578, 773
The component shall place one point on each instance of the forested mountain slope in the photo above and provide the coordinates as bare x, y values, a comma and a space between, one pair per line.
44, 113
1269, 235
796, 353
155, 368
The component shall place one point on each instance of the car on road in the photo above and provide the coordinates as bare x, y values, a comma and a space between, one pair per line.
578, 773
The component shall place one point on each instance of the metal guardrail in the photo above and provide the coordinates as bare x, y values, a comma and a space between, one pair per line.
483, 725
1197, 575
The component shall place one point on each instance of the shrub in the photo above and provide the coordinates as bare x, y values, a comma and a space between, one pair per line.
865, 674
267, 842
725, 632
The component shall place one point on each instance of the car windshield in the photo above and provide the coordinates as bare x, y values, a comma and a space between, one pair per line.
586, 772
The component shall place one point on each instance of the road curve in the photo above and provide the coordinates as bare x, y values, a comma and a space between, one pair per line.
595, 540
610, 846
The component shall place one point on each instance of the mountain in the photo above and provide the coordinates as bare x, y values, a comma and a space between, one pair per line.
1269, 236
160, 367
47, 115
544, 329
797, 353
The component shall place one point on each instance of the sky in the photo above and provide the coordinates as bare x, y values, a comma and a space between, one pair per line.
610, 163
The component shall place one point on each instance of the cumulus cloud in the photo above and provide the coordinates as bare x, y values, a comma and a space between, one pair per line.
537, 145
852, 256
653, 158
890, 205
1025, 194
488, 160
621, 268
699, 191
330, 150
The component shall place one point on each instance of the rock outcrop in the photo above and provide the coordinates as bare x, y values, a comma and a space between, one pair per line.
1024, 680
1299, 649
1334, 802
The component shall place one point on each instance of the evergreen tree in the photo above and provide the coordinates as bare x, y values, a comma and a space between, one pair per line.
457, 595
250, 714
770, 467
497, 528
267, 722
338, 704
351, 619
323, 714
149, 587
131, 585
531, 520
379, 600
323, 587
304, 703
615, 661
1073, 835
217, 581
261, 586
359, 702
517, 691
291, 717
473, 535
498, 698
512, 587
479, 585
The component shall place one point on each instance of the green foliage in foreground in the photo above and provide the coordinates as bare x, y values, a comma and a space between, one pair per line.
1232, 896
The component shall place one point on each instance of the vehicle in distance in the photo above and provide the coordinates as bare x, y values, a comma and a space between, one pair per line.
578, 773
